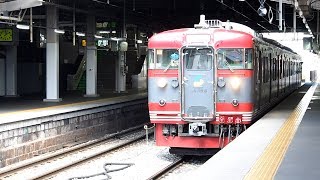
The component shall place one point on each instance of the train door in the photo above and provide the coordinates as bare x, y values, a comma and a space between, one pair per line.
258, 77
270, 76
198, 79
278, 74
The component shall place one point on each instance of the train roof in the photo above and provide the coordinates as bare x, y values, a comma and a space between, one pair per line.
174, 38
277, 44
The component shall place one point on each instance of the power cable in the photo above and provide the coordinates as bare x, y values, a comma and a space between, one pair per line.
125, 165
232, 8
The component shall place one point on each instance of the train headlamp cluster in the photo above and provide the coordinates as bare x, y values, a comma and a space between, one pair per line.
162, 82
235, 82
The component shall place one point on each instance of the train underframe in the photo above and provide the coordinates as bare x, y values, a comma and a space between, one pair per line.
197, 138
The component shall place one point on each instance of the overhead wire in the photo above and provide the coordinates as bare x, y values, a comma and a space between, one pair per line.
232, 8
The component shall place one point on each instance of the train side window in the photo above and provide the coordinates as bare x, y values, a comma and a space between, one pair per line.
230, 58
248, 59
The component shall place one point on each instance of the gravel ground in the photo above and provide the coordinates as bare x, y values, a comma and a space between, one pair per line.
147, 159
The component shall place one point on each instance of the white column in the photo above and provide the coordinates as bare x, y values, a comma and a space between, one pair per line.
11, 71
91, 64
52, 59
280, 15
318, 27
120, 72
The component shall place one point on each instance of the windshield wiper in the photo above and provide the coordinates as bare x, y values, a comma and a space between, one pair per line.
172, 63
230, 68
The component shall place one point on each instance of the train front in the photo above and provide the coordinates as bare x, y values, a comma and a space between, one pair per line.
189, 89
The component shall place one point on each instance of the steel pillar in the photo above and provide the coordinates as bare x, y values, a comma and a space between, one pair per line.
52, 59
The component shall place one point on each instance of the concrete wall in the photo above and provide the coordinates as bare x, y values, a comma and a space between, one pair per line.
22, 142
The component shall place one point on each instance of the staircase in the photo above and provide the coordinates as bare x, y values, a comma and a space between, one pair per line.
74, 79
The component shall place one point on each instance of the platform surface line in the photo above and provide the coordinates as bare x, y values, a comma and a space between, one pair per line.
269, 161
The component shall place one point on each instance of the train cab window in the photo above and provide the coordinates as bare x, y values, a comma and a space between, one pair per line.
164, 59
230, 58
198, 58
150, 58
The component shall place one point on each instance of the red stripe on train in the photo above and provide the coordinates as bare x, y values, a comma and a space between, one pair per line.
238, 73
167, 107
243, 107
161, 73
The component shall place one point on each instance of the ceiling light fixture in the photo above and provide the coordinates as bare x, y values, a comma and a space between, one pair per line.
59, 31
21, 26
80, 34
98, 37
104, 32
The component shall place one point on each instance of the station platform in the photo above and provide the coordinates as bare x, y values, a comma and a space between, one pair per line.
35, 101
283, 144
30, 127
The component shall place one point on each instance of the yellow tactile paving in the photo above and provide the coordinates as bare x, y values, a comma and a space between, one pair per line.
269, 161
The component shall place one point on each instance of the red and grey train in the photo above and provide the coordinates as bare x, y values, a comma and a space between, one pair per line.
208, 83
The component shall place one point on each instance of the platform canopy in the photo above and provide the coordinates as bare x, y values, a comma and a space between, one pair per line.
169, 14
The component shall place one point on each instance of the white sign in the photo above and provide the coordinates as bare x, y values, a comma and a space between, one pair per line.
198, 38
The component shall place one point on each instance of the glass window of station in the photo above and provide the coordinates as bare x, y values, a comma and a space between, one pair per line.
235, 58
163, 59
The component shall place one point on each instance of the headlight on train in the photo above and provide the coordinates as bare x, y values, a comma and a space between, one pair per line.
162, 82
235, 82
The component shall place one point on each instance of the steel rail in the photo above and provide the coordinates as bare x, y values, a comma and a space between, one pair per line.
167, 169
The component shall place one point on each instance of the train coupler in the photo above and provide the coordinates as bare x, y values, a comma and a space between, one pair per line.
197, 129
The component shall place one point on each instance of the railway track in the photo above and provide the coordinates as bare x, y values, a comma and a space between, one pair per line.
178, 168
46, 166
167, 169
